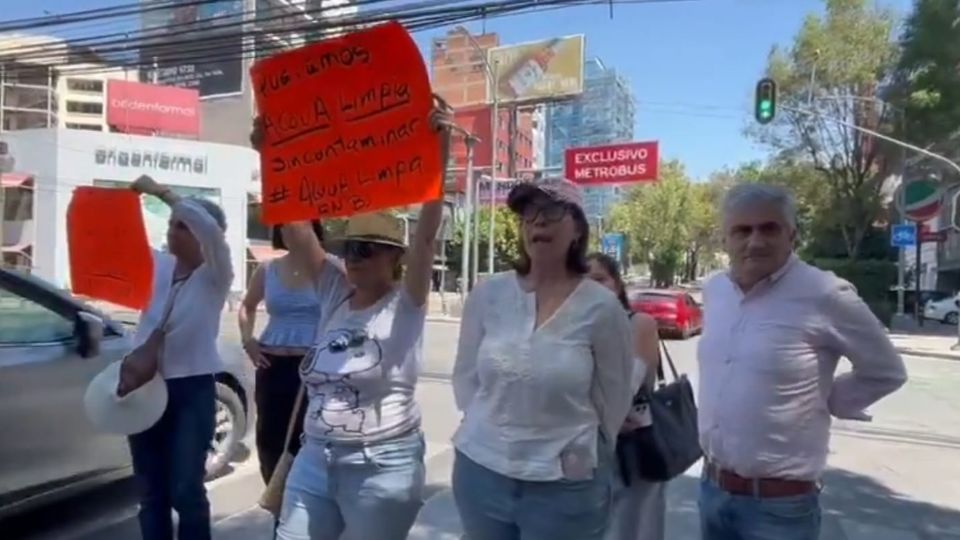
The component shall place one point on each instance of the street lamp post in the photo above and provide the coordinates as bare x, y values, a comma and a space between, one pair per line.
468, 217
495, 127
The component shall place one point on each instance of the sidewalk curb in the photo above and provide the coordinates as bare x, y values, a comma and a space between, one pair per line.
926, 354
443, 319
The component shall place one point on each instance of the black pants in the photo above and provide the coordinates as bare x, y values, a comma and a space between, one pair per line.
275, 393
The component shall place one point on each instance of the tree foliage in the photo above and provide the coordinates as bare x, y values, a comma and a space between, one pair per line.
669, 225
835, 69
506, 241
928, 85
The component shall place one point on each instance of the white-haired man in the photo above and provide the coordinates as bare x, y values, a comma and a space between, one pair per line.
774, 331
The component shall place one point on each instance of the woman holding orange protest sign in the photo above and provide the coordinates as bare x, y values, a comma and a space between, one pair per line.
176, 340
360, 472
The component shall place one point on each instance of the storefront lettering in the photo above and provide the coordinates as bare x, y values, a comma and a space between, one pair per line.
144, 159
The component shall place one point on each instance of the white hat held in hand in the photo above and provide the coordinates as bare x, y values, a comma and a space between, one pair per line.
134, 413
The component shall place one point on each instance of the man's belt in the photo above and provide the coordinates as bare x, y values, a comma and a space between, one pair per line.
735, 484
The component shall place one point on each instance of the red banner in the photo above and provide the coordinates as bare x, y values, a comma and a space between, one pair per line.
134, 107
613, 164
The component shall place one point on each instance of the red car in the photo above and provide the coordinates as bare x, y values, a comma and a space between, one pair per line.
676, 312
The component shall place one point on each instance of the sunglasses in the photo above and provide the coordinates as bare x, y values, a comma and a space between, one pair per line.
359, 250
551, 212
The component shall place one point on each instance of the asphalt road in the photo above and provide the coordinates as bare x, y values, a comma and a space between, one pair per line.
897, 477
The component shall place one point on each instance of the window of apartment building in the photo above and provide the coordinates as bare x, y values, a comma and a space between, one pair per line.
82, 107
85, 85
88, 127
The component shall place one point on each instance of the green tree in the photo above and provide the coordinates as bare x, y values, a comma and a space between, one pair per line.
505, 245
657, 221
835, 69
928, 79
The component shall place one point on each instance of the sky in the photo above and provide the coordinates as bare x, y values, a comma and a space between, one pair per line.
692, 64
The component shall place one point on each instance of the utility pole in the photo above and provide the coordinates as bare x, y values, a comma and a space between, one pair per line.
468, 217
495, 127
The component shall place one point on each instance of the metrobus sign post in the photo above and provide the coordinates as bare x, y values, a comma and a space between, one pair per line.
918, 201
613, 164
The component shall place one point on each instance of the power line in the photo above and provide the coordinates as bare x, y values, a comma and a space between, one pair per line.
221, 46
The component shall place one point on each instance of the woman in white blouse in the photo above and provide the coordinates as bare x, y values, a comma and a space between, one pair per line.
545, 374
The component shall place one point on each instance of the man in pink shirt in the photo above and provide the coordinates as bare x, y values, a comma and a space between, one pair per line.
775, 329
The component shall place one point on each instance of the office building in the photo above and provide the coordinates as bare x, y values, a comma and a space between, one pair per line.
459, 74
45, 82
603, 114
229, 37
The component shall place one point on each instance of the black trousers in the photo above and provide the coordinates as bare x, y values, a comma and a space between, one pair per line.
275, 393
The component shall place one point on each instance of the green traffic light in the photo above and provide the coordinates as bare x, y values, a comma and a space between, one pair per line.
766, 101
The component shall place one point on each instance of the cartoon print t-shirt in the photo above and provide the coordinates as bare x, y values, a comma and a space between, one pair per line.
361, 374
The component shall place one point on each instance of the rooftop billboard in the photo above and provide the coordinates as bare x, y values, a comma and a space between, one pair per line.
540, 71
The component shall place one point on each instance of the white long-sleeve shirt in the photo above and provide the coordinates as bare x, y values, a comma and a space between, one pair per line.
530, 395
190, 345
767, 363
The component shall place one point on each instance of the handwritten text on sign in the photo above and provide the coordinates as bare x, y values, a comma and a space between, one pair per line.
613, 164
110, 257
346, 127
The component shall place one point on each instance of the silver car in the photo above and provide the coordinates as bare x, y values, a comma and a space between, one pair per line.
51, 346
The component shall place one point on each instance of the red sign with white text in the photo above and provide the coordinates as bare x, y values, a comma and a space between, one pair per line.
134, 107
613, 164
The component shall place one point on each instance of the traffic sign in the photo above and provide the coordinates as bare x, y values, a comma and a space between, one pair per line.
903, 235
612, 245
919, 200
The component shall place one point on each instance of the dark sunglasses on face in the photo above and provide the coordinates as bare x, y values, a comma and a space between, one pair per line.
551, 212
358, 250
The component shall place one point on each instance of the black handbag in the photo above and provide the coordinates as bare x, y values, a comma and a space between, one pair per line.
671, 443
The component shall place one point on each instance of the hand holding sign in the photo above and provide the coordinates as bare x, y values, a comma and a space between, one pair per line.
110, 258
344, 127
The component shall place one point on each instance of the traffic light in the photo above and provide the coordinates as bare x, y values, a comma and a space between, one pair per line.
766, 103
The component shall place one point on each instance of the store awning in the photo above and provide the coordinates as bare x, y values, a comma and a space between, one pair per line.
261, 253
16, 180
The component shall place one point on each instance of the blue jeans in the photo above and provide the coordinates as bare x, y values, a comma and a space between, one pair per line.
738, 517
354, 492
169, 462
496, 507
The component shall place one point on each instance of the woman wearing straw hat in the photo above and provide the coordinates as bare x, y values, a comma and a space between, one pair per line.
545, 375
360, 472
191, 283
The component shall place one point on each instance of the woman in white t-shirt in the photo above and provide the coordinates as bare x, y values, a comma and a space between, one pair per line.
360, 472
545, 374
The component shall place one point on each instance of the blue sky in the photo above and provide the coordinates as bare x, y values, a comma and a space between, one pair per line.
693, 64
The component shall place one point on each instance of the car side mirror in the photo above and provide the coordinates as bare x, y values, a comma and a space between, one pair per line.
89, 333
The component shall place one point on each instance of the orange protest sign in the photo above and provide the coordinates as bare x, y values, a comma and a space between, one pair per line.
346, 127
110, 257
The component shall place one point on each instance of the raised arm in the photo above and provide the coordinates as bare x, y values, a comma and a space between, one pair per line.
299, 237
201, 223
420, 256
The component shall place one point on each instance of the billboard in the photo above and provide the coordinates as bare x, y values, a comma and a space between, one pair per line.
540, 71
213, 66
145, 108
613, 164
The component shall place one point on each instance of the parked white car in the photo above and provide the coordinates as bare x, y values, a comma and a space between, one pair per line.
945, 311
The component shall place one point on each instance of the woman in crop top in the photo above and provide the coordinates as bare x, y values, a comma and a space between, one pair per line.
360, 473
545, 375
293, 300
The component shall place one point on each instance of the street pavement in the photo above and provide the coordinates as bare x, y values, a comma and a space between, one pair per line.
896, 478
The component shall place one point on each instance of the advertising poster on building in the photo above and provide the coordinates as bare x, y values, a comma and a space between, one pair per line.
156, 213
213, 64
540, 71
613, 164
148, 109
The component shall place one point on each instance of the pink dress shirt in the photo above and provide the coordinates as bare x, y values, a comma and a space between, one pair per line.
767, 370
